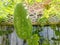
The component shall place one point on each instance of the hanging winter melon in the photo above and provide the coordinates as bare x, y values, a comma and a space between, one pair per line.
22, 24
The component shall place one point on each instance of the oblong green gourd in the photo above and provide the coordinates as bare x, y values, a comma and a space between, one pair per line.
22, 25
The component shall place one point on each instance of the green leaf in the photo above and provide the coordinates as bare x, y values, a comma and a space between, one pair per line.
42, 21
57, 32
53, 27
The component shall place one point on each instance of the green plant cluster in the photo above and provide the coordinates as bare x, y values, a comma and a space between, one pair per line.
33, 40
2, 32
50, 10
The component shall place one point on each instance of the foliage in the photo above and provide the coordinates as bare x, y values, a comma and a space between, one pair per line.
57, 32
53, 8
33, 40
1, 18
50, 10
6, 7
2, 32
55, 28
46, 42
22, 24
43, 21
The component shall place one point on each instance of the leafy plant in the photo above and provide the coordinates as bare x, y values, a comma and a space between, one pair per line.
33, 40
51, 9
2, 32
42, 21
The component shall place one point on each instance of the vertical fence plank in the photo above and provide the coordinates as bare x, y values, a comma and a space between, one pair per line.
13, 39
